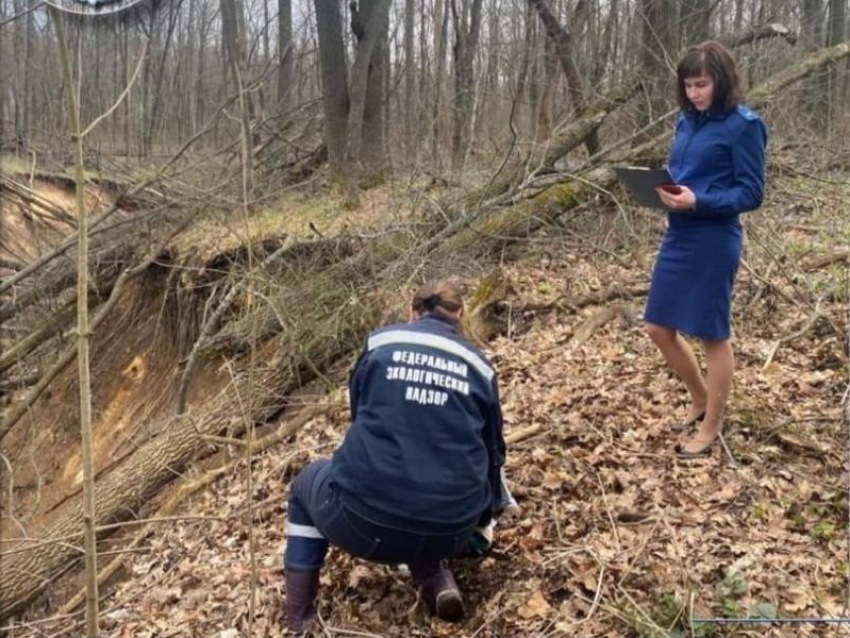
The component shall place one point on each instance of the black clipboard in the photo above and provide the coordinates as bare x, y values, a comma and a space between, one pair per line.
641, 182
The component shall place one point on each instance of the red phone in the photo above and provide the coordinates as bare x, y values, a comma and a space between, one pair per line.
672, 189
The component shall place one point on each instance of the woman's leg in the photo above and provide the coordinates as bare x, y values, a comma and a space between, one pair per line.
720, 361
680, 357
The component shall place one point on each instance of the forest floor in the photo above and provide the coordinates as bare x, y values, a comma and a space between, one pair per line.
615, 536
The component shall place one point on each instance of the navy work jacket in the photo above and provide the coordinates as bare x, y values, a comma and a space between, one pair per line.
425, 447
721, 158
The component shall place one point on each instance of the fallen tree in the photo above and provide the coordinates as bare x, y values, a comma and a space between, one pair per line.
564, 140
764, 32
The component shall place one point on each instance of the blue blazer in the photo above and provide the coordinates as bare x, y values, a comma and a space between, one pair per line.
721, 158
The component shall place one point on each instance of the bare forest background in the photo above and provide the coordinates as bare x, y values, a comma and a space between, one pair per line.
444, 83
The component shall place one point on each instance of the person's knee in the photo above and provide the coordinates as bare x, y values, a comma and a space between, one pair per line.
720, 352
304, 552
660, 334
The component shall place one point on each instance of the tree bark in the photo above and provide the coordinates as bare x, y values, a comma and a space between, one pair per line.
608, 38
562, 40
83, 367
740, 38
234, 43
835, 35
811, 24
373, 155
334, 76
285, 50
198, 96
409, 79
375, 23
658, 44
695, 21
550, 79
441, 22
467, 28
28, 75
739, 15
3, 84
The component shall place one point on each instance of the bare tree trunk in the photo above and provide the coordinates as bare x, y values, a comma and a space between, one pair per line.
495, 46
658, 46
147, 90
608, 38
525, 60
549, 83
18, 62
488, 119
266, 28
835, 35
441, 23
533, 44
128, 112
89, 514
156, 101
739, 15
234, 44
198, 96
814, 99
694, 21
3, 84
561, 37
811, 24
334, 78
409, 79
28, 75
373, 155
191, 64
467, 27
285, 50
375, 24
421, 106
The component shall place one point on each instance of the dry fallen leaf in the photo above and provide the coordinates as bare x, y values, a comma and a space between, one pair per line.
535, 607
358, 574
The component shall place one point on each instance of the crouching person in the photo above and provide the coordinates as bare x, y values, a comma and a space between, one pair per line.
420, 468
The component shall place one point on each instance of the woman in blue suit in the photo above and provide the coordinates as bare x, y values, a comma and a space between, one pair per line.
718, 161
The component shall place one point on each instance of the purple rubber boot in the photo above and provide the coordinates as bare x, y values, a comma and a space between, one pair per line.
301, 590
441, 595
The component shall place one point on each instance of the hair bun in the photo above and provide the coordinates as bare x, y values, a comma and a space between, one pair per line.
432, 301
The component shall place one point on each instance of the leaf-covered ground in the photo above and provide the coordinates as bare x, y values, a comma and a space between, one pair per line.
615, 537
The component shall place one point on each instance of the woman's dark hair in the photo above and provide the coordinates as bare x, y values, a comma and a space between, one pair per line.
714, 60
438, 297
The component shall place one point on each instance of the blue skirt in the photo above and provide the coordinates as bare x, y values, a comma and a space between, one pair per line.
694, 275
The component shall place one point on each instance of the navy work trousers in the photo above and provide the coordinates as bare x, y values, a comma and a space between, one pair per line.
319, 518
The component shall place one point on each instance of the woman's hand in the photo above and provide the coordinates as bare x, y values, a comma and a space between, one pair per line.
685, 200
